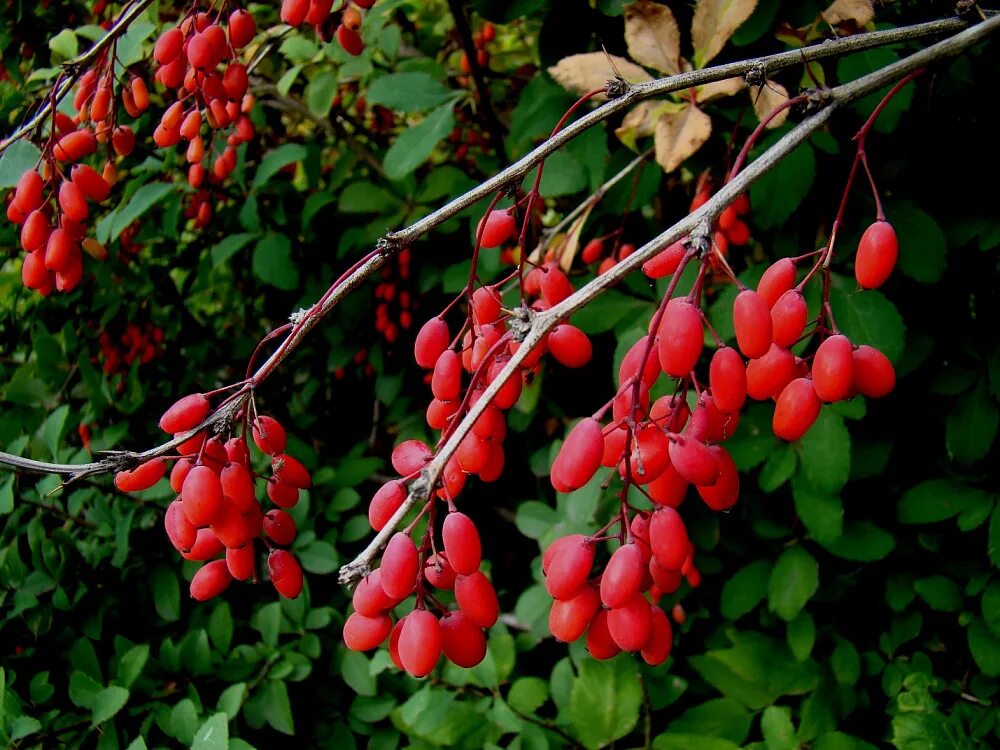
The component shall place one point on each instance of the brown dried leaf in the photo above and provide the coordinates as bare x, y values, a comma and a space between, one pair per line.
713, 23
591, 70
652, 36
860, 11
765, 98
641, 119
719, 89
678, 135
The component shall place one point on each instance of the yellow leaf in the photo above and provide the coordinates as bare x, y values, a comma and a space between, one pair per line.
719, 89
638, 123
652, 36
679, 135
859, 11
713, 23
765, 98
591, 70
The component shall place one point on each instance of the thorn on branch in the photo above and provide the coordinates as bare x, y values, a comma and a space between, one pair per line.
969, 10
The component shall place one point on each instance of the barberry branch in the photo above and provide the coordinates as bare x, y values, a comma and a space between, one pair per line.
543, 322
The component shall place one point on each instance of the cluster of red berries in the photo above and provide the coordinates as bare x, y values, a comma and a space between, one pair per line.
143, 343
216, 517
317, 13
394, 308
189, 57
480, 39
729, 228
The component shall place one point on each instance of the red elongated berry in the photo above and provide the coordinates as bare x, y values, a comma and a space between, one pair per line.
555, 285
622, 576
385, 502
439, 413
669, 488
668, 538
614, 446
319, 11
874, 375
285, 572
283, 495
486, 305
279, 526
179, 472
833, 369
579, 457
181, 533
569, 566
293, 12
235, 80
237, 486
200, 52
350, 41
446, 381
242, 28
570, 346
569, 618
752, 321
72, 201
667, 581
777, 279
461, 543
269, 435
788, 317
28, 193
206, 547
400, 563
670, 412
60, 250
633, 359
496, 228
767, 376
649, 454
665, 262
237, 451
876, 257
631, 623
439, 573
168, 46
185, 414
477, 599
419, 642
14, 214
431, 341
142, 477
694, 461
661, 638
724, 493
462, 640
123, 140
228, 525
727, 377
211, 580
370, 598
411, 456
290, 471
365, 633
680, 337
75, 146
35, 231
201, 495
600, 644
592, 252
93, 185
240, 562
797, 408
491, 425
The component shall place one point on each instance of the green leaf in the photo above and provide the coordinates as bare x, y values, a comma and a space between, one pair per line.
24, 726
777, 194
231, 699
991, 606
720, 717
940, 592
107, 703
821, 512
673, 741
527, 694
922, 248
563, 175
859, 64
867, 317
408, 92
938, 499
801, 635
144, 199
861, 541
83, 689
320, 93
825, 453
19, 157
272, 261
277, 708
319, 557
227, 248
609, 310
276, 160
778, 469
972, 425
841, 741
220, 626
131, 664
65, 44
777, 728
794, 580
745, 589
166, 593
845, 663
53, 427
605, 701
213, 734
415, 144
993, 543
355, 668
364, 197
985, 647
534, 519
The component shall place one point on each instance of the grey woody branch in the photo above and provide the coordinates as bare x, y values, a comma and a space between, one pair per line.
541, 323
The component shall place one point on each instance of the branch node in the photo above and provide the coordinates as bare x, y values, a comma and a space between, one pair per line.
296, 317
701, 238
617, 88
817, 98
420, 487
521, 321
756, 74
387, 245
351, 574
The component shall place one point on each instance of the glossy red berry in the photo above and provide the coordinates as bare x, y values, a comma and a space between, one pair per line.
633, 360
622, 576
569, 566
201, 495
649, 454
268, 435
496, 228
369, 597
874, 375
400, 563
477, 599
350, 41
462, 640
752, 322
285, 572
727, 377
185, 414
237, 486
693, 461
788, 317
411, 456
724, 492
569, 618
777, 279
168, 46
681, 337
579, 457
555, 285
439, 573
446, 380
665, 262
431, 341
279, 526
385, 502
876, 257
180, 531
419, 642
661, 638
600, 644
797, 408
767, 376
461, 543
364, 633
570, 346
142, 477
242, 28
290, 471
211, 580
668, 538
833, 369
240, 562
630, 623
28, 194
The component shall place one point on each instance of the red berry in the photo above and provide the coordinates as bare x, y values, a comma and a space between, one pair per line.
727, 377
600, 644
630, 623
569, 618
419, 642
290, 471
788, 317
211, 580
93, 185
462, 640
206, 547
496, 228
668, 489
876, 257
142, 477
180, 531
61, 251
168, 46
370, 598
279, 526
74, 146
629, 367
579, 457
833, 369
777, 279
661, 638
723, 494
185, 414
410, 456
767, 376
242, 28
649, 454
72, 201
35, 231
693, 461
680, 337
281, 494
622, 575
28, 194
752, 321
874, 375
797, 408
593, 251
446, 380
555, 285
569, 566
285, 572
400, 563
665, 262
461, 543
201, 495
570, 346
385, 502
237, 487
477, 599
350, 41
240, 561
269, 435
439, 572
431, 341
364, 633
668, 538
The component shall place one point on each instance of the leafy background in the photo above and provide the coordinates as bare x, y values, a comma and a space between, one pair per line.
850, 600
